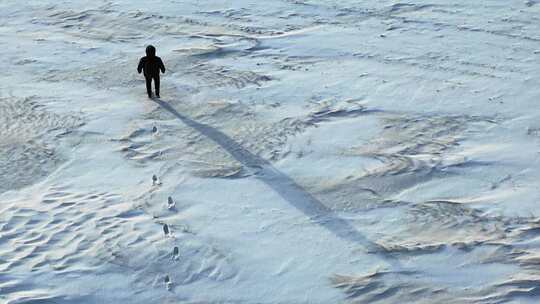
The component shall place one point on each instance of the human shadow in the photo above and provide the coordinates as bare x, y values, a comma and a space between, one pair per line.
282, 184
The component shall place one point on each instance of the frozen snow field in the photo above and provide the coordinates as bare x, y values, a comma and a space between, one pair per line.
305, 152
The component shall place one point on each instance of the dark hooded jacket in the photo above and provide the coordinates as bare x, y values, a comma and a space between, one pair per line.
151, 64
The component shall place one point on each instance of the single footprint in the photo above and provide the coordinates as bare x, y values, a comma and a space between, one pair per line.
176, 253
155, 180
170, 203
168, 282
166, 229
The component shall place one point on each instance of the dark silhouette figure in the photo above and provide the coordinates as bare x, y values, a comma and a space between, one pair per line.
151, 65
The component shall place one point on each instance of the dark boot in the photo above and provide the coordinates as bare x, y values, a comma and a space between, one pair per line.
156, 84
149, 86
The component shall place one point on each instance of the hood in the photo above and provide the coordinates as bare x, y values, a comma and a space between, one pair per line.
150, 51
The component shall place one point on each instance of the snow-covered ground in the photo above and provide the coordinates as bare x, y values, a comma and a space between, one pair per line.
316, 152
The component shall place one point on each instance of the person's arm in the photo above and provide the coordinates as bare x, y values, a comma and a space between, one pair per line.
161, 66
140, 67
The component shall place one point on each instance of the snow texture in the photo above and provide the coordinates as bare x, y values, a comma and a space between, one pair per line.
303, 151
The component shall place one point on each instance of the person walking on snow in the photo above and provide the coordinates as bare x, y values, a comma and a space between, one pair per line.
151, 65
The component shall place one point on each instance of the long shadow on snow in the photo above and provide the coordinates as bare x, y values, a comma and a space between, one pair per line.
282, 184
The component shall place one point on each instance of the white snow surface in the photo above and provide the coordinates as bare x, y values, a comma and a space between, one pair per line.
315, 151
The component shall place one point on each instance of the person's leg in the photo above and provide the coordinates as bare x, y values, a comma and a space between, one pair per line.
156, 84
149, 86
